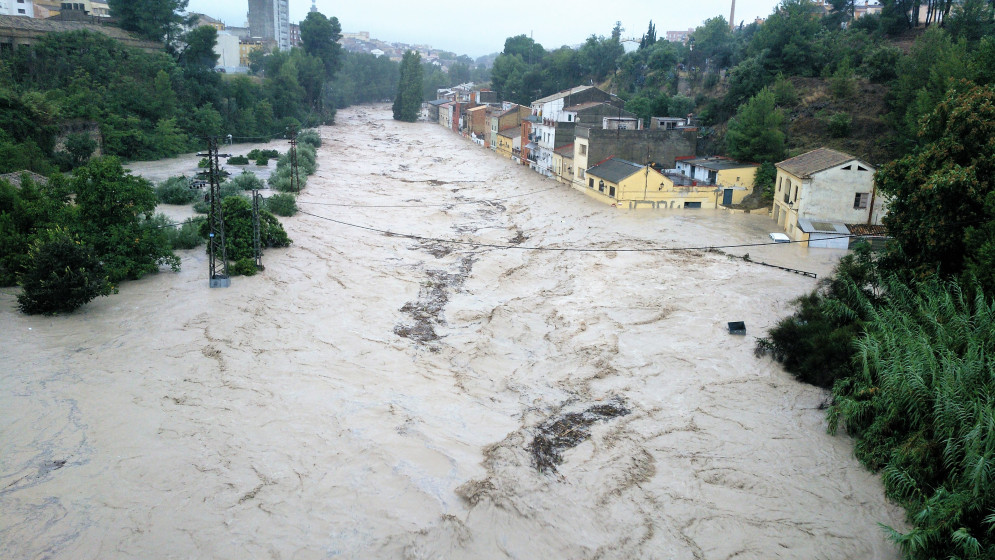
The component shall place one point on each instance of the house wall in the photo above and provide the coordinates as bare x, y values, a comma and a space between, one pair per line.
662, 146
566, 174
581, 160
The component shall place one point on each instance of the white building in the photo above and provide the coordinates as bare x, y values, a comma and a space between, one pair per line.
17, 8
228, 51
550, 111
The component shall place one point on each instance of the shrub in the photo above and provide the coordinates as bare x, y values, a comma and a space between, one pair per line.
238, 160
62, 275
247, 181
243, 267
202, 207
784, 92
262, 162
282, 204
268, 154
843, 85
176, 190
204, 163
186, 236
839, 125
310, 137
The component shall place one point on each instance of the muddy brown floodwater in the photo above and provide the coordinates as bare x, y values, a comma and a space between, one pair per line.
376, 396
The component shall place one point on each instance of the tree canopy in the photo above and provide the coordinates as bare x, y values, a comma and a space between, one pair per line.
407, 102
756, 133
157, 20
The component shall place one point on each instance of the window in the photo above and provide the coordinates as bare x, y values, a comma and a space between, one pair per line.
601, 186
779, 180
848, 168
859, 168
611, 192
590, 183
860, 200
583, 149
582, 173
795, 199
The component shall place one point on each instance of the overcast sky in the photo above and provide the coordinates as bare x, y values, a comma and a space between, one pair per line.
479, 29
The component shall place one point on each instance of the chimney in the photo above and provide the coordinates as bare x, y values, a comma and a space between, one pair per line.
732, 16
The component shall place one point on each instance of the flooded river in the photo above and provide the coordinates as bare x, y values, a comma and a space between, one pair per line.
373, 395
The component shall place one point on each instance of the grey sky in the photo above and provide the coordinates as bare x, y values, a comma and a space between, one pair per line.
479, 30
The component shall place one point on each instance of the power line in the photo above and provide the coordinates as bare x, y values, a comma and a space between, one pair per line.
559, 249
423, 205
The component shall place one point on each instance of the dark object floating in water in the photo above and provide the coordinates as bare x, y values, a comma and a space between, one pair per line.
737, 327
567, 431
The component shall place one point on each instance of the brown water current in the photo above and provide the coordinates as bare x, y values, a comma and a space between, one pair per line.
377, 396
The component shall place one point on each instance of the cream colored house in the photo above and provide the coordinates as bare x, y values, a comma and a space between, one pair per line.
817, 193
735, 178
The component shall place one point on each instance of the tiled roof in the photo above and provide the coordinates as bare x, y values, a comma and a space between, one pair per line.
865, 230
582, 106
615, 170
810, 163
567, 150
510, 133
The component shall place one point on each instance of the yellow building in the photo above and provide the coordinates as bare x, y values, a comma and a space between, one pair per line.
735, 178
508, 141
246, 46
630, 185
563, 164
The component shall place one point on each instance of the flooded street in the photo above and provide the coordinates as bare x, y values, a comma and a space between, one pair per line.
378, 395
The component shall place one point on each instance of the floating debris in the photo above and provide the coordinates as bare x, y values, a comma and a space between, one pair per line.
567, 431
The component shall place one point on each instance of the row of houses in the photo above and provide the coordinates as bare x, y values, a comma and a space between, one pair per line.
583, 137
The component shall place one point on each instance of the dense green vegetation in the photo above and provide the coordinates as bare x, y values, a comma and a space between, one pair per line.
906, 339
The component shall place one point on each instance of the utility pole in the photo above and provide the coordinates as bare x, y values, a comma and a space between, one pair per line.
217, 269
257, 242
295, 180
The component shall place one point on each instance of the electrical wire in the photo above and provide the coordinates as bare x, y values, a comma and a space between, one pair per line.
479, 245
423, 205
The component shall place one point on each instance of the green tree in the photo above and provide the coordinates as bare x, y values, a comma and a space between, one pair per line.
80, 147
198, 48
320, 36
649, 38
713, 41
786, 42
407, 103
112, 206
756, 133
939, 194
158, 20
62, 275
523, 46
